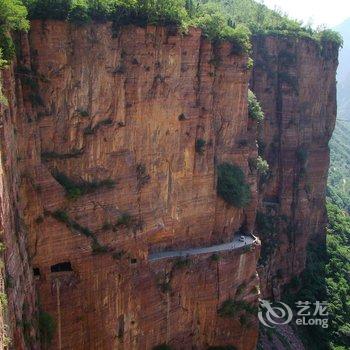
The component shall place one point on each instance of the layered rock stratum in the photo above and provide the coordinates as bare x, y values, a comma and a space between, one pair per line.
122, 111
295, 82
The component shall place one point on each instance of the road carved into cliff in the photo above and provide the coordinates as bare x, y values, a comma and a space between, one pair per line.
236, 243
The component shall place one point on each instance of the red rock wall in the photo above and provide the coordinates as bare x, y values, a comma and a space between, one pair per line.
295, 83
19, 315
128, 106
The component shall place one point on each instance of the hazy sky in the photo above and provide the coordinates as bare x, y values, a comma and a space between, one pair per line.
319, 12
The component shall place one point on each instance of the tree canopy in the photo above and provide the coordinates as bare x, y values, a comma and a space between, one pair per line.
232, 186
13, 16
231, 20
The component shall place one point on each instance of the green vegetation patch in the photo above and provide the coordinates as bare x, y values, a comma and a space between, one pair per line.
215, 257
259, 164
76, 189
62, 216
217, 25
181, 263
138, 12
124, 220
263, 21
232, 308
254, 109
208, 16
12, 17
330, 36
268, 227
232, 21
232, 186
96, 246
92, 130
338, 190
3, 301
326, 278
200, 146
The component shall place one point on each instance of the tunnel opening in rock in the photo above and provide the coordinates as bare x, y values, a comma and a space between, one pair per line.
62, 267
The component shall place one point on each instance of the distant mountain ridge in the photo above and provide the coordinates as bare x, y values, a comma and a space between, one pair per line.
343, 75
339, 180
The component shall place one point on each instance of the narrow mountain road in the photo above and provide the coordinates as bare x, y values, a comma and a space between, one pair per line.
235, 244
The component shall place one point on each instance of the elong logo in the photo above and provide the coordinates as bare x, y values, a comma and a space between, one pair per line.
270, 315
278, 313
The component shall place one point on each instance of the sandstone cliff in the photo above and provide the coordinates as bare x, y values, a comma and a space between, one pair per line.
20, 314
294, 79
101, 168
121, 112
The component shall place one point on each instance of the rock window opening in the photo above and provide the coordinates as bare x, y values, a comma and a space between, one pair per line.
62, 267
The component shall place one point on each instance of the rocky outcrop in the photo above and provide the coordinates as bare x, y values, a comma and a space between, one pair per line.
112, 139
294, 79
109, 148
19, 312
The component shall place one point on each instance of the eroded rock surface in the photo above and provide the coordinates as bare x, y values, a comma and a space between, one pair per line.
109, 148
121, 112
294, 79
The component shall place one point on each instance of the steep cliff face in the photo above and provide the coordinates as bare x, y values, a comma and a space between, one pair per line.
295, 83
19, 312
109, 150
105, 161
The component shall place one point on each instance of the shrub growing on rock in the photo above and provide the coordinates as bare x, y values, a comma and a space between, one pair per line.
262, 166
12, 17
216, 25
75, 189
232, 186
254, 109
329, 35
79, 12
210, 17
231, 308
125, 220
182, 263
259, 164
48, 9
200, 146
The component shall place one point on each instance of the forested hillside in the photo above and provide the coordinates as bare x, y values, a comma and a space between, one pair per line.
339, 172
343, 75
326, 278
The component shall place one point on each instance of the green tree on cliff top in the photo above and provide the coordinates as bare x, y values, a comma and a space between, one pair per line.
12, 17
